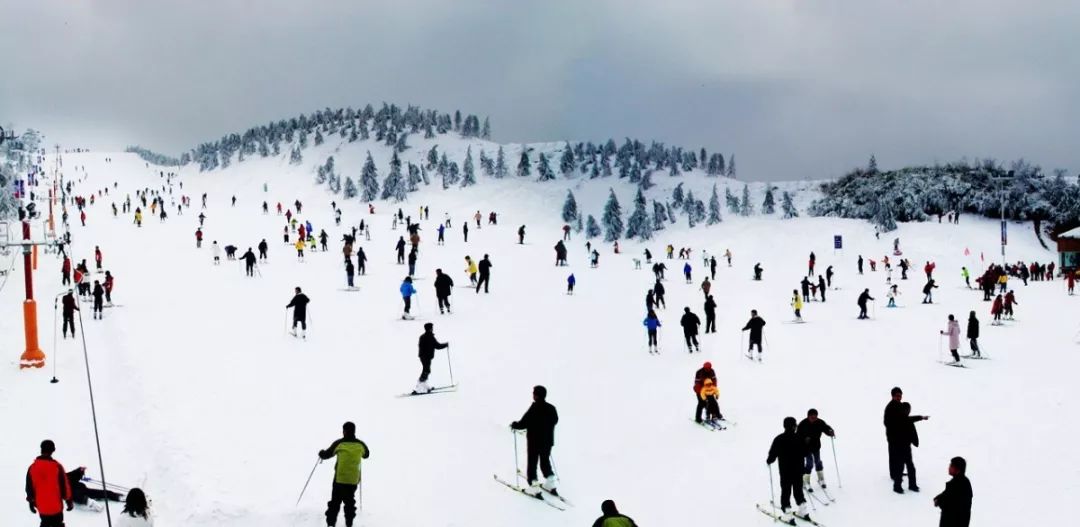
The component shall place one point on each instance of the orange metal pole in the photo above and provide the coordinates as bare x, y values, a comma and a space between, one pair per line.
33, 357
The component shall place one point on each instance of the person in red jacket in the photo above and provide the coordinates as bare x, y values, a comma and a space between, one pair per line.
198, 238
929, 269
108, 287
996, 310
97, 257
65, 272
47, 487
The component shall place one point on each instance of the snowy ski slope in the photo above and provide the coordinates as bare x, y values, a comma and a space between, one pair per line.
203, 399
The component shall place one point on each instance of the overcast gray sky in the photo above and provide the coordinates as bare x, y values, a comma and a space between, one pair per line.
795, 88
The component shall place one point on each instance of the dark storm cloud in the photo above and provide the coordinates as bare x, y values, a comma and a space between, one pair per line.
795, 88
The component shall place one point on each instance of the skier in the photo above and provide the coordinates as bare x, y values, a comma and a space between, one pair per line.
69, 307
710, 314
350, 272
97, 258
521, 235
712, 267
361, 260
323, 237
1010, 301
727, 255
706, 286
686, 271
860, 264
611, 517
470, 268
427, 346
198, 238
412, 262
215, 250
813, 260
828, 275
99, 293
704, 373
811, 429
651, 324
262, 249
790, 450
570, 282
955, 500
863, 298
400, 248
442, 234
900, 434
465, 231
443, 284
929, 269
796, 303
349, 452
539, 425
565, 232
1070, 282
966, 275
973, 335
996, 310
485, 274
757, 271
300, 249
805, 284
952, 329
658, 290
594, 262
891, 295
690, 323
65, 272
299, 304
928, 291
407, 291
48, 488
108, 287
202, 218
709, 394
560, 253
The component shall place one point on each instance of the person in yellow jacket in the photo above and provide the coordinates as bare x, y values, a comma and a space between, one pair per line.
796, 302
1003, 282
138, 217
709, 394
299, 248
470, 267
350, 452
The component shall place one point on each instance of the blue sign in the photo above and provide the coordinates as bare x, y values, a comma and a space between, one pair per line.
838, 242
1004, 237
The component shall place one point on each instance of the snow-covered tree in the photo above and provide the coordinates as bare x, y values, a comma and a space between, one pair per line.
670, 213
570, 208
788, 206
468, 173
487, 164
485, 132
413, 177
714, 208
433, 157
731, 200
350, 188
745, 207
524, 167
731, 167
677, 196
334, 182
659, 215
592, 229
769, 205
638, 224
500, 164
295, 157
543, 168
369, 180
871, 167
567, 163
395, 186
577, 224
318, 138
612, 218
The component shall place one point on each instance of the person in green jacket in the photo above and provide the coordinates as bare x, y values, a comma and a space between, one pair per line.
611, 517
349, 451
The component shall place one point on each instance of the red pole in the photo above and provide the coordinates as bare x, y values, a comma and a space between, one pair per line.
33, 357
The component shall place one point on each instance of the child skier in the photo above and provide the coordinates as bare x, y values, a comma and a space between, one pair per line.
953, 331
651, 324
995, 309
570, 281
709, 393
891, 295
407, 291
686, 271
300, 249
796, 303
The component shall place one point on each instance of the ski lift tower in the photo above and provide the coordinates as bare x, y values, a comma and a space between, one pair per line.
1003, 181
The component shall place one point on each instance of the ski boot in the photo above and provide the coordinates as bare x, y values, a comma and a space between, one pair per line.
820, 478
549, 485
803, 513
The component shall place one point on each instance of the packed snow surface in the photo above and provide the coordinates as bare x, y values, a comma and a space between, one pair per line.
207, 403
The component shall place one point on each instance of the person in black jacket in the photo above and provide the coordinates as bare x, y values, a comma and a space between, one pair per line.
690, 323
755, 325
99, 297
299, 304
810, 430
900, 434
710, 314
973, 335
361, 261
427, 346
443, 284
485, 274
263, 247
249, 262
658, 294
955, 500
863, 298
539, 424
791, 451
70, 306
910, 436
400, 248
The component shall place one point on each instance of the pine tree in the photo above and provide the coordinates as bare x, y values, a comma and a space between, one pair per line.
295, 157
350, 188
369, 180
645, 183
769, 205
543, 167
500, 164
638, 224
731, 167
468, 173
524, 168
745, 207
670, 213
789, 208
401, 144
592, 229
569, 208
334, 183
433, 157
318, 138
714, 208
677, 196
688, 207
659, 215
567, 164
871, 168
732, 201
394, 186
486, 132
577, 224
486, 164
413, 178
613, 224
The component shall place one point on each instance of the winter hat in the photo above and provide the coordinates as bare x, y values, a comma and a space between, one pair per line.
707, 365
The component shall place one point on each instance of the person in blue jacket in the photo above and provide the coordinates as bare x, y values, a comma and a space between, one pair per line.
570, 281
651, 323
442, 232
686, 271
407, 291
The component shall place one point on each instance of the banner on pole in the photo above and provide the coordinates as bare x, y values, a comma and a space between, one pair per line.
838, 242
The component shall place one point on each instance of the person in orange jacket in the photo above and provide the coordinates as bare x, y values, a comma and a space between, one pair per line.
709, 394
47, 487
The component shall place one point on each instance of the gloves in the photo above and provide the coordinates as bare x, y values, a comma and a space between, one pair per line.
70, 505
513, 424
33, 509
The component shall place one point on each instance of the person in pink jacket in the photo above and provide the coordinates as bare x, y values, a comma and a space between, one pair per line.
953, 331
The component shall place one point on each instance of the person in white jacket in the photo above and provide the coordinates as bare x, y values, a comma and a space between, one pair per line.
136, 511
891, 294
216, 251
953, 331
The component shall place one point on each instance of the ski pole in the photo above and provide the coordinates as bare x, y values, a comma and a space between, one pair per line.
517, 473
741, 343
317, 462
286, 320
939, 347
54, 379
772, 493
450, 365
835, 462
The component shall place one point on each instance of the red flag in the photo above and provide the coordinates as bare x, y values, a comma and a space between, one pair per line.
967, 252
981, 258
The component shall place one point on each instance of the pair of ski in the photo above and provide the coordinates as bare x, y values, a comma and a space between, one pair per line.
976, 357
714, 425
437, 389
818, 496
953, 364
771, 512
554, 501
751, 357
